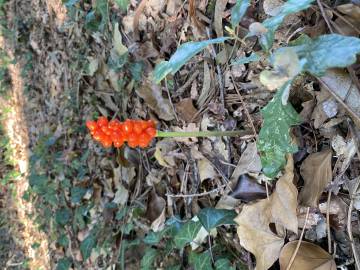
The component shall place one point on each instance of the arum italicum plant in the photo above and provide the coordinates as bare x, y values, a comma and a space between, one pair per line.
139, 133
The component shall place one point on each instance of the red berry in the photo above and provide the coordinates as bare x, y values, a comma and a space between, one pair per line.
106, 130
114, 124
151, 132
144, 140
137, 128
91, 125
98, 135
127, 126
102, 121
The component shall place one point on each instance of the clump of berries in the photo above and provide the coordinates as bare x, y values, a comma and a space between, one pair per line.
134, 132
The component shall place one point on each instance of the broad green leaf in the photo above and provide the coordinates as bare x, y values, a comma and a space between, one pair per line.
238, 12
327, 51
122, 4
274, 139
271, 24
253, 57
148, 259
183, 54
87, 245
63, 241
223, 264
63, 264
187, 233
211, 217
155, 237
62, 216
200, 261
102, 9
77, 193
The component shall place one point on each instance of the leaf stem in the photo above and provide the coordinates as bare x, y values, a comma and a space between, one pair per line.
217, 133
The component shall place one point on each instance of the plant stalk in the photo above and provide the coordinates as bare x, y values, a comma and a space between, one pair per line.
217, 133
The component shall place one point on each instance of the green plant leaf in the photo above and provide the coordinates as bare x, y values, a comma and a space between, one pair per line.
187, 233
148, 259
238, 12
122, 4
223, 264
77, 193
253, 57
274, 138
211, 217
87, 245
174, 267
271, 24
326, 51
183, 54
63, 264
63, 241
62, 216
200, 261
155, 237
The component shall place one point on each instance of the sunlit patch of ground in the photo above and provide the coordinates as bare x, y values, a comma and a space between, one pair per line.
15, 128
58, 10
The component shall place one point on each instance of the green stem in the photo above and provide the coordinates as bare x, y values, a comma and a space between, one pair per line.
216, 133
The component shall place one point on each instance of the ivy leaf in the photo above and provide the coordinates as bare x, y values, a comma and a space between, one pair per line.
62, 216
211, 217
183, 54
327, 51
148, 259
253, 57
238, 12
87, 245
200, 261
271, 24
77, 193
63, 264
223, 264
274, 138
187, 233
122, 4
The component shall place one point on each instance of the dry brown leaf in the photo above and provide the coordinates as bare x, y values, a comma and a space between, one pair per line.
151, 94
206, 89
272, 7
342, 85
218, 16
186, 110
206, 169
253, 221
308, 257
317, 173
156, 211
163, 153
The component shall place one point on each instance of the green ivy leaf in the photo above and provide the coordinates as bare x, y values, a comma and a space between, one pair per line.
122, 4
63, 264
77, 193
87, 245
274, 139
200, 261
238, 12
271, 24
253, 57
327, 51
155, 237
63, 241
183, 54
223, 264
148, 259
187, 233
62, 216
211, 217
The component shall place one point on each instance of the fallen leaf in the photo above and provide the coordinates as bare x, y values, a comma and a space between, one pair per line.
186, 110
206, 169
272, 7
151, 94
249, 162
156, 211
121, 195
317, 173
253, 221
345, 150
247, 189
337, 210
218, 16
206, 88
163, 153
119, 47
309, 256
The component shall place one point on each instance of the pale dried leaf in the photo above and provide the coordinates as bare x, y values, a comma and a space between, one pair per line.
119, 47
121, 195
317, 173
151, 93
206, 170
309, 256
272, 7
186, 110
163, 153
218, 16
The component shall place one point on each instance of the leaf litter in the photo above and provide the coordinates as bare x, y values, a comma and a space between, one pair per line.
186, 191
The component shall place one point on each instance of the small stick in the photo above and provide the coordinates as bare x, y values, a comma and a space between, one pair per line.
299, 242
196, 194
325, 16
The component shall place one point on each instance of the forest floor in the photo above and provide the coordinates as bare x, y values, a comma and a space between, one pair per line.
66, 202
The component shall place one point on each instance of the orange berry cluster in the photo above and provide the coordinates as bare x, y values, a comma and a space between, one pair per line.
134, 132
